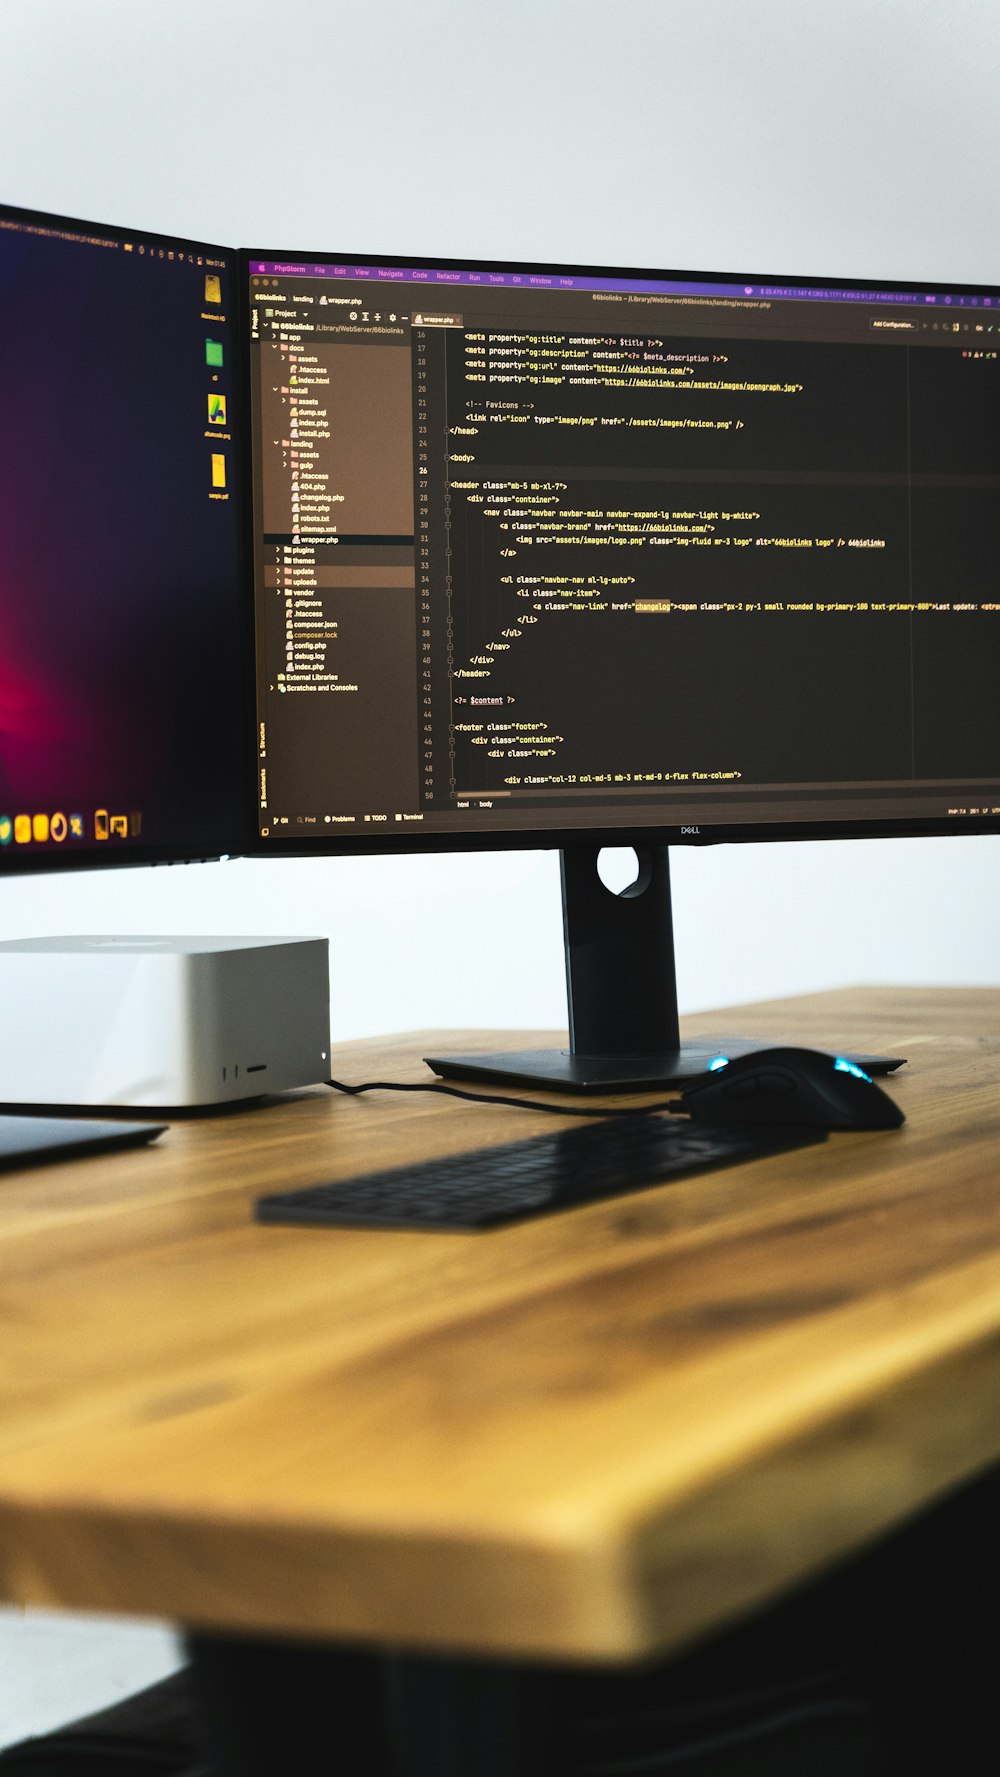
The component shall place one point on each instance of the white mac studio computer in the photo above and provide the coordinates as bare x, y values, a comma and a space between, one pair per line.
553, 556
162, 1023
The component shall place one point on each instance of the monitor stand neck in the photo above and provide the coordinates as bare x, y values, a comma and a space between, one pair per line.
621, 986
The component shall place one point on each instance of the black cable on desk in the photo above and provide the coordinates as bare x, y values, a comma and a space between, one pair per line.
521, 1104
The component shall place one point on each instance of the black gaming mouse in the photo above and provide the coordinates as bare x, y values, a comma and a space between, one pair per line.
795, 1086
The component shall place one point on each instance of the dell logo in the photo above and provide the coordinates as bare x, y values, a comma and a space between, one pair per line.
690, 829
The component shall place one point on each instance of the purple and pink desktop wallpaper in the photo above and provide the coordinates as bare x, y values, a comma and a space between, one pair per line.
120, 600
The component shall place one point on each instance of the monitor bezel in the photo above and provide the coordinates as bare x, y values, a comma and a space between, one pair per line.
563, 838
15, 862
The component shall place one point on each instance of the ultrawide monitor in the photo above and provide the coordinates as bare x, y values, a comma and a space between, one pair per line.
544, 556
122, 715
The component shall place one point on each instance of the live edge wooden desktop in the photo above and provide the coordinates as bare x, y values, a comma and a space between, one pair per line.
588, 1438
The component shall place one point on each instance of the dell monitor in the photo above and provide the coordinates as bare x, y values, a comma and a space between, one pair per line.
122, 726
564, 556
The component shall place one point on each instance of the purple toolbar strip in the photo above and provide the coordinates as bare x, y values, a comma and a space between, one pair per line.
506, 280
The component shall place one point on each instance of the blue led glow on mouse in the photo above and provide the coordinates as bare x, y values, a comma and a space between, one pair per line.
843, 1066
717, 1062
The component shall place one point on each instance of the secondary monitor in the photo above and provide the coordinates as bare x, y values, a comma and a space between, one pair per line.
566, 556
122, 714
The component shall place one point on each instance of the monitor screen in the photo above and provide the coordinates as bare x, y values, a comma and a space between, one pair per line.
548, 554
121, 697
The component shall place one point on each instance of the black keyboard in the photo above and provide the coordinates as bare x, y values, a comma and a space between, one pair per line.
488, 1186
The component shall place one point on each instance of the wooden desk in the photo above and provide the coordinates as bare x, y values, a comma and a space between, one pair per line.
586, 1437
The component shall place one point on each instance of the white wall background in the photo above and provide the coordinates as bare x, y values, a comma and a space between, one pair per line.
850, 140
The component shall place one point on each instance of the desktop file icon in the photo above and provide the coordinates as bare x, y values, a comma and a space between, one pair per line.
216, 410
213, 287
213, 353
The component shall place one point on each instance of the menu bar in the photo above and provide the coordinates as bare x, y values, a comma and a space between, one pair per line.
740, 294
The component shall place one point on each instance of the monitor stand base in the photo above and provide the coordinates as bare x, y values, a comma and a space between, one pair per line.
559, 1070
